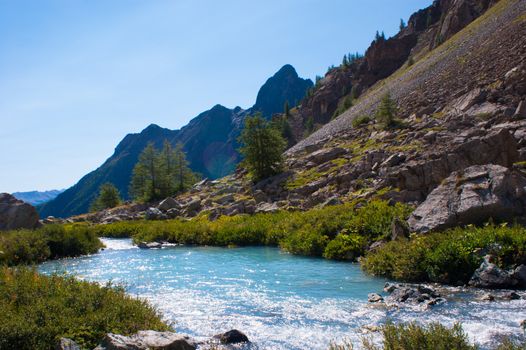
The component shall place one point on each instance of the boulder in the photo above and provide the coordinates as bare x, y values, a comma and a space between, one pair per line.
521, 110
520, 275
16, 214
472, 196
232, 337
326, 154
374, 298
489, 275
66, 344
146, 340
150, 245
153, 214
167, 204
267, 208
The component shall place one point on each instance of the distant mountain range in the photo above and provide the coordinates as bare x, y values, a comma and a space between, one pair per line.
210, 141
37, 197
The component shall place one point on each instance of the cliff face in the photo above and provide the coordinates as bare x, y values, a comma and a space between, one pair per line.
425, 30
210, 141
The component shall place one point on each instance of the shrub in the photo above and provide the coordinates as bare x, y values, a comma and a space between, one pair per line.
50, 241
360, 120
38, 310
345, 247
448, 257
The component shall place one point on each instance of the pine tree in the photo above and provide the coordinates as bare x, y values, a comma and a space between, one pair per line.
386, 113
286, 108
184, 176
377, 37
402, 24
108, 197
345, 61
262, 147
144, 183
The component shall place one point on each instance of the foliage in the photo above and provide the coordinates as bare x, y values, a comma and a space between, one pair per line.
309, 124
38, 310
414, 337
448, 257
262, 147
346, 103
360, 120
160, 174
286, 109
109, 197
387, 112
50, 241
402, 24
306, 233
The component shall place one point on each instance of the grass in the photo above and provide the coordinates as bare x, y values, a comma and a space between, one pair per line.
336, 232
449, 257
38, 310
49, 242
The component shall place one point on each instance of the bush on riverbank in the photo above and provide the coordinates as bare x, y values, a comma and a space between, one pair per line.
414, 337
38, 310
447, 257
335, 232
50, 241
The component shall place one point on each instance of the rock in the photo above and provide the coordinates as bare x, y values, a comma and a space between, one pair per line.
146, 340
472, 196
228, 198
331, 201
374, 298
521, 110
487, 297
66, 344
173, 213
267, 208
489, 275
511, 296
326, 154
16, 214
398, 229
394, 160
409, 294
232, 337
150, 245
167, 204
153, 214
193, 205
520, 275
389, 287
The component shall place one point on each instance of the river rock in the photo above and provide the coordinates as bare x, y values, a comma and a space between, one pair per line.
232, 337
66, 344
520, 275
489, 275
472, 196
150, 245
146, 340
374, 298
16, 214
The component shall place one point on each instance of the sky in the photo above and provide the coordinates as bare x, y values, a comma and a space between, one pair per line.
76, 76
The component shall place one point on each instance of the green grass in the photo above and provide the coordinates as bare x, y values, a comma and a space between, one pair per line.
448, 257
335, 232
49, 242
38, 310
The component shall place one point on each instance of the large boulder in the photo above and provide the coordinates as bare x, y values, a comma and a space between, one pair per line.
489, 275
472, 196
66, 344
145, 340
232, 337
15, 214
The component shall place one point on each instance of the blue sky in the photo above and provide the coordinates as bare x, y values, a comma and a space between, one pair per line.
77, 75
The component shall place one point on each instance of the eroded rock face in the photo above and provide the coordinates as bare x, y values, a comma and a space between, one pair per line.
472, 196
15, 214
145, 340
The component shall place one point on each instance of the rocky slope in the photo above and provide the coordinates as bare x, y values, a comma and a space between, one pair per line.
461, 104
210, 141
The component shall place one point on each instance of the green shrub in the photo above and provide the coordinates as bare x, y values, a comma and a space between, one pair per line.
50, 241
38, 310
448, 257
360, 120
305, 233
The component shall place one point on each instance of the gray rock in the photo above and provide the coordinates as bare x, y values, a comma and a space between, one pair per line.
390, 287
394, 160
374, 298
16, 214
472, 196
520, 275
146, 340
193, 205
521, 110
173, 213
167, 204
511, 296
153, 214
150, 245
66, 344
232, 337
332, 201
326, 154
489, 275
267, 208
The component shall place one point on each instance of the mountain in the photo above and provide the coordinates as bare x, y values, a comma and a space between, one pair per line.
37, 197
210, 141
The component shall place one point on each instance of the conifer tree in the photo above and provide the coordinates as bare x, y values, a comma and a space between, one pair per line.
108, 197
262, 147
386, 113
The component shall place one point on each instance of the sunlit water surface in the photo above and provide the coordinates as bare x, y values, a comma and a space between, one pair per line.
280, 301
